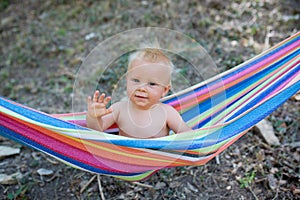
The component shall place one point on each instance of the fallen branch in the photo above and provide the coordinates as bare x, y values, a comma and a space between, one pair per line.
100, 187
87, 184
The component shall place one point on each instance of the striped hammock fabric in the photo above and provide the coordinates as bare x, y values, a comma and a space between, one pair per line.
220, 111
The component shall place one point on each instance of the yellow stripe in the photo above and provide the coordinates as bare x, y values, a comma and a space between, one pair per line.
121, 153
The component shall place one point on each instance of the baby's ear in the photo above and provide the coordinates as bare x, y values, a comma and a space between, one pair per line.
166, 90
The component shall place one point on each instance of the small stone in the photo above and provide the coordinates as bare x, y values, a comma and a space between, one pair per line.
44, 172
234, 43
274, 170
160, 185
90, 36
8, 151
10, 179
265, 128
297, 97
272, 181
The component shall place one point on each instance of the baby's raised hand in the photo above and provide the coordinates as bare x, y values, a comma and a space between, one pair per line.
97, 105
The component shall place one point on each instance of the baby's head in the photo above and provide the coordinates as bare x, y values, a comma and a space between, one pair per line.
155, 58
148, 77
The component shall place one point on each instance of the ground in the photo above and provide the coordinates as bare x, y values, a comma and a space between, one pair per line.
43, 46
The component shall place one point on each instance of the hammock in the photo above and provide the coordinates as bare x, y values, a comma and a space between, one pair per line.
253, 90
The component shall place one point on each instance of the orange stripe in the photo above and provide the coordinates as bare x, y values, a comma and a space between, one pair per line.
197, 100
107, 154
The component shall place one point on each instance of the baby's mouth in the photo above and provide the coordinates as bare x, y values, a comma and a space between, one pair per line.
140, 96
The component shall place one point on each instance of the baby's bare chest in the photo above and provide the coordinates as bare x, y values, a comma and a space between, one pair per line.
143, 124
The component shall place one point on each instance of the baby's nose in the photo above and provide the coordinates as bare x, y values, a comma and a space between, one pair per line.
142, 87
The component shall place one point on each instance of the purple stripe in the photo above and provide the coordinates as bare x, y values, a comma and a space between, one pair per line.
70, 151
286, 82
266, 86
236, 76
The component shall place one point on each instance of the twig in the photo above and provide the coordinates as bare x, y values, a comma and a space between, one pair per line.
100, 187
277, 189
267, 38
53, 177
87, 184
217, 159
143, 185
250, 188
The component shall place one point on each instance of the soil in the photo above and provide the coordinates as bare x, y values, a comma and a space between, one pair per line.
44, 43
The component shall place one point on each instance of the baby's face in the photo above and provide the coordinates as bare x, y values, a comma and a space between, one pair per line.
147, 82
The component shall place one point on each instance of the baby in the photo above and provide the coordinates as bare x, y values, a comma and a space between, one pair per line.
148, 79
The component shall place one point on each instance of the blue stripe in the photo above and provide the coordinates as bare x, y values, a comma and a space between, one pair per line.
269, 90
244, 67
25, 141
225, 133
219, 98
38, 116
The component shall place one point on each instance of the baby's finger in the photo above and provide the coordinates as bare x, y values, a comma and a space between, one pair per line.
107, 100
101, 98
89, 100
96, 96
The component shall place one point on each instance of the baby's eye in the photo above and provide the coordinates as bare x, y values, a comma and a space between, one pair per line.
135, 80
152, 84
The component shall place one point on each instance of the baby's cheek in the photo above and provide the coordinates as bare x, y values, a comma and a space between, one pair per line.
130, 92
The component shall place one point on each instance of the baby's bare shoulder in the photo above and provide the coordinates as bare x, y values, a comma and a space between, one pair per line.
118, 105
168, 108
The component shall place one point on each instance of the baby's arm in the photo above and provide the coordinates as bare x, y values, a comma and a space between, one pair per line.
98, 117
175, 121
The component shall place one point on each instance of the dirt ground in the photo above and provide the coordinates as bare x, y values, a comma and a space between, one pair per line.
43, 46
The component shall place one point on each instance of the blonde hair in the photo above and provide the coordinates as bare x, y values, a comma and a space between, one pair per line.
152, 55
